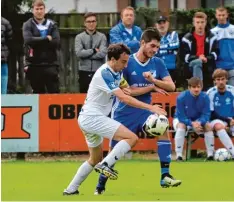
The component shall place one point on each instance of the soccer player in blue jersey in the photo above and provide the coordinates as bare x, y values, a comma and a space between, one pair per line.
222, 109
144, 74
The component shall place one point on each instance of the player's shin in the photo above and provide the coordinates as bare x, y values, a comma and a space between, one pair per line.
164, 153
226, 140
209, 142
179, 141
82, 173
121, 148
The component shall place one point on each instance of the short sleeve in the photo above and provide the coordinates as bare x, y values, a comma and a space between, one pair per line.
161, 69
108, 81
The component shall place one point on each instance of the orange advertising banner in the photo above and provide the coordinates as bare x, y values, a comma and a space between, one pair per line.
59, 130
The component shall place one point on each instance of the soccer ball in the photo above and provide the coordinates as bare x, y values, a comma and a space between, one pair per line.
222, 155
156, 125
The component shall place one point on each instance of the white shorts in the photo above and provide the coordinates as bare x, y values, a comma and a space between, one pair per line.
175, 123
212, 123
95, 128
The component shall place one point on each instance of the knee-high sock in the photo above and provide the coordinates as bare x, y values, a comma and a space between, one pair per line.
226, 140
209, 142
120, 149
164, 153
179, 141
82, 173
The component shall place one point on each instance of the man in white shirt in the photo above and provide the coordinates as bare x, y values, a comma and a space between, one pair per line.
95, 123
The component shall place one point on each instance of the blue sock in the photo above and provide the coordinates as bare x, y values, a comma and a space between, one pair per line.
102, 178
102, 182
164, 153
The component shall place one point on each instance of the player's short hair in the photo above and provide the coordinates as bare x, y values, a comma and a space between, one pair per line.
127, 8
200, 15
218, 73
38, 3
89, 14
221, 9
115, 50
150, 34
194, 81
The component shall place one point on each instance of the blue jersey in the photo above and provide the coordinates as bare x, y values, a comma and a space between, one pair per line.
133, 117
190, 108
222, 103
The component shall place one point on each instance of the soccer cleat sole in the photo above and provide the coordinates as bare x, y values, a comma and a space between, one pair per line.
70, 194
174, 185
110, 175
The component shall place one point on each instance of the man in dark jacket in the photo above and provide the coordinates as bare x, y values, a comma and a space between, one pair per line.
6, 34
41, 38
199, 50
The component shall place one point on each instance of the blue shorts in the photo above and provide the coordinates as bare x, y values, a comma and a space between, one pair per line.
133, 122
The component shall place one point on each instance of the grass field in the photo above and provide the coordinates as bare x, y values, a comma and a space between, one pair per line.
138, 181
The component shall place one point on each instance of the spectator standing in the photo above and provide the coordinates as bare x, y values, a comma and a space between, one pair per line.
91, 50
169, 45
224, 32
42, 40
199, 50
126, 32
6, 36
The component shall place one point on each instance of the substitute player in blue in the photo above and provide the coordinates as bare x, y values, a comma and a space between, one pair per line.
192, 111
144, 74
222, 109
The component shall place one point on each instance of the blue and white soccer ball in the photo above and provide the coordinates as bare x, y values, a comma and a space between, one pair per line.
222, 155
156, 125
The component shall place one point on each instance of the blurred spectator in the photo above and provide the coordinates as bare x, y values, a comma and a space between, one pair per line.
222, 110
42, 40
169, 45
199, 50
126, 32
224, 32
6, 34
192, 112
91, 49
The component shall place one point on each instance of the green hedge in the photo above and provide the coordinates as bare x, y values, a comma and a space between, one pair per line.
181, 20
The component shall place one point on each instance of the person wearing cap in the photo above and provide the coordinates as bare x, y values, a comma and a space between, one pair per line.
169, 45
199, 50
126, 32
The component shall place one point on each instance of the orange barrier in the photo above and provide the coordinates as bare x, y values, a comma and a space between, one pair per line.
48, 123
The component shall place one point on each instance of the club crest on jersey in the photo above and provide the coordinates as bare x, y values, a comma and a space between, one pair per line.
153, 72
228, 101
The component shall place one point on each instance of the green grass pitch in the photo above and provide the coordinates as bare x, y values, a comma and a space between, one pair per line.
138, 181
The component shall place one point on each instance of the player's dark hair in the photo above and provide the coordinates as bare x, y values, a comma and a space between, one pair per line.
115, 50
218, 73
38, 3
150, 34
194, 81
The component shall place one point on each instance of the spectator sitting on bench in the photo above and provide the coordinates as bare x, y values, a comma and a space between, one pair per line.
222, 109
192, 112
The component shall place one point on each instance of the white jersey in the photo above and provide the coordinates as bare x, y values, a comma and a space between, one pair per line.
100, 95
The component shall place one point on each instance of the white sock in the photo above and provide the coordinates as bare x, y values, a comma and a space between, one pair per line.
209, 142
226, 140
120, 149
82, 173
179, 141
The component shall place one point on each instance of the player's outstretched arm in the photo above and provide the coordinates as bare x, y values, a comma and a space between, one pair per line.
138, 104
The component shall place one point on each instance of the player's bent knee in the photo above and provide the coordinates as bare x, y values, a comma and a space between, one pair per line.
181, 126
208, 127
219, 126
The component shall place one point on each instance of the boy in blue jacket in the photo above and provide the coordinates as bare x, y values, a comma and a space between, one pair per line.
192, 111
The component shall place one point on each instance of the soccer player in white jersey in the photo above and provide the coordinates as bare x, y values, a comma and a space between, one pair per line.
95, 123
222, 109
